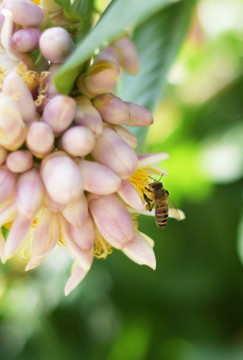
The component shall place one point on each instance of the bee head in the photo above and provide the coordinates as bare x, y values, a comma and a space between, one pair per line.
157, 185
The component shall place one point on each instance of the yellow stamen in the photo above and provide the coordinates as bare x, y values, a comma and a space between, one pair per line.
101, 248
140, 180
2, 76
31, 79
36, 2
135, 220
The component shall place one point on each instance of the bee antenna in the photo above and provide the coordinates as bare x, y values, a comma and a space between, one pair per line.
160, 177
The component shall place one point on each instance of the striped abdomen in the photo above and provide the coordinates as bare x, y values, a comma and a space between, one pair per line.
161, 213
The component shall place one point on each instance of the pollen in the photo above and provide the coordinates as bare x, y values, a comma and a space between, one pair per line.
140, 180
101, 247
2, 76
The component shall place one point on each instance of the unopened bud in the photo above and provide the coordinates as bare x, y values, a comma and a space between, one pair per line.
139, 116
56, 44
62, 177
127, 55
24, 12
103, 73
87, 115
112, 109
59, 113
19, 161
29, 195
25, 40
78, 141
115, 153
40, 139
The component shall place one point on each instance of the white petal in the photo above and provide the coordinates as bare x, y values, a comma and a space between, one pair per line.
145, 160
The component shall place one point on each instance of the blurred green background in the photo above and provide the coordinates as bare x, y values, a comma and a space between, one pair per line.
191, 307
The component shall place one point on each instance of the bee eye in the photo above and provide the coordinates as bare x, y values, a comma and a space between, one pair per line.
167, 192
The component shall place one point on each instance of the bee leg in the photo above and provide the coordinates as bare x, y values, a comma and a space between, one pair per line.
150, 204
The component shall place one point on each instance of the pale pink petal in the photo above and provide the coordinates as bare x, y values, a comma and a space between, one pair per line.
15, 86
84, 258
76, 277
76, 212
140, 251
17, 235
145, 160
46, 233
84, 236
129, 194
8, 211
113, 220
98, 178
7, 183
126, 135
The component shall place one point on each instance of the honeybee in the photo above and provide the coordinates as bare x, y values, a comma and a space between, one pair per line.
155, 194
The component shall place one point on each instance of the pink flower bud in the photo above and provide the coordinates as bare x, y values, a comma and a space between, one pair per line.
19, 161
115, 153
112, 109
98, 178
126, 135
103, 73
15, 86
13, 130
25, 40
3, 155
40, 139
87, 115
113, 220
127, 55
78, 141
139, 116
29, 195
76, 212
81, 86
59, 113
25, 12
7, 184
56, 44
62, 177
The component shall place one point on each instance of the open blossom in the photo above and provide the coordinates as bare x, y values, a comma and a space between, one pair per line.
69, 172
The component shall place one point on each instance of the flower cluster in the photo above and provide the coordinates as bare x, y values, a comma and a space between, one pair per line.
69, 173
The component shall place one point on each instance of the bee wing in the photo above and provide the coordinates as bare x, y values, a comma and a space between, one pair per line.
174, 212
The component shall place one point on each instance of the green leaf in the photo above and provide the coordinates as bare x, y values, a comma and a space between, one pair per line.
70, 13
120, 16
158, 41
